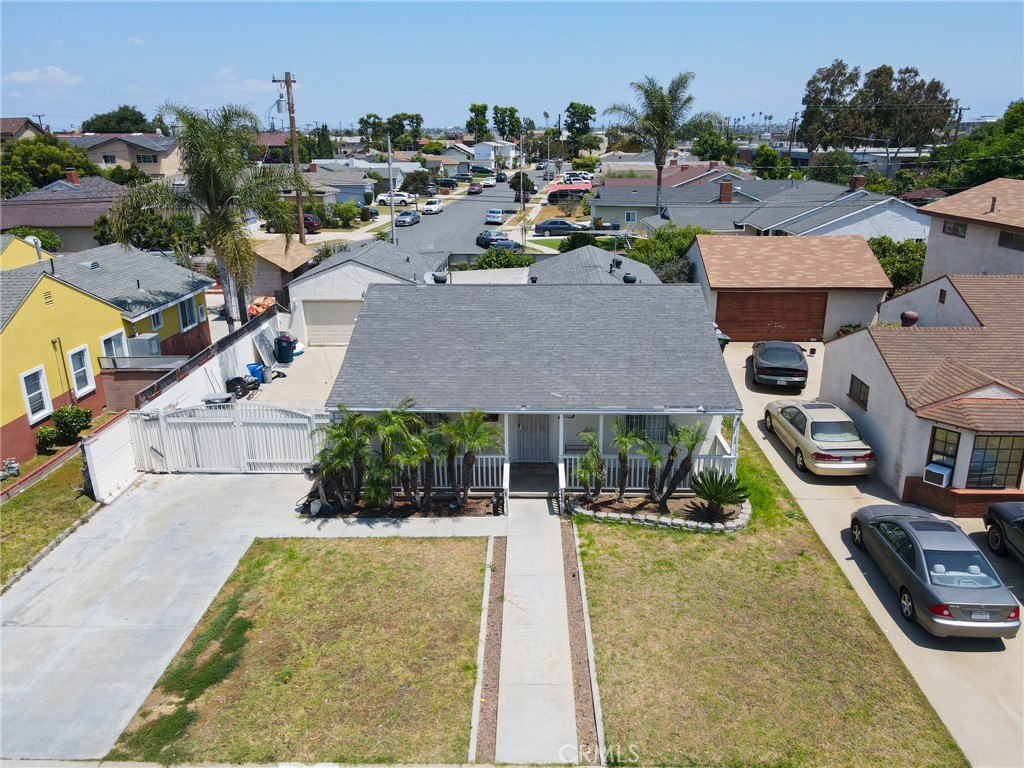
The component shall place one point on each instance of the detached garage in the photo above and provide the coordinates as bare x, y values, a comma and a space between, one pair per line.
325, 301
787, 288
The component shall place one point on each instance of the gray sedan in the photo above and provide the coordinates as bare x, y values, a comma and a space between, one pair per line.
1005, 523
944, 581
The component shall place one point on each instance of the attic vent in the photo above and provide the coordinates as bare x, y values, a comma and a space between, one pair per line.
47, 298
628, 278
91, 264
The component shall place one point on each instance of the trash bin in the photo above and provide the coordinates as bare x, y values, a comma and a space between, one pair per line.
284, 349
615, 226
256, 371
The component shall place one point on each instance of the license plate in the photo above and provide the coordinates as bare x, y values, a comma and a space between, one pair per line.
781, 383
847, 459
980, 615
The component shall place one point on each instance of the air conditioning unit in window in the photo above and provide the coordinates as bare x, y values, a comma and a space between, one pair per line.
938, 475
144, 345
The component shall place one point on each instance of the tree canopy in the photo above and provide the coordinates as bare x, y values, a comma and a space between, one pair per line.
477, 122
711, 146
767, 164
665, 249
903, 262
40, 161
835, 166
124, 119
507, 123
579, 122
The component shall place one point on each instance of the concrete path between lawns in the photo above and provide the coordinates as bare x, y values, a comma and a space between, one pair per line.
88, 632
536, 705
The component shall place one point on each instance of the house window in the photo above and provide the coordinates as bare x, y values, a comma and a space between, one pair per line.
954, 228
81, 371
654, 428
145, 159
37, 395
114, 345
202, 312
942, 295
996, 461
187, 313
1013, 240
859, 392
631, 217
156, 322
109, 160
944, 446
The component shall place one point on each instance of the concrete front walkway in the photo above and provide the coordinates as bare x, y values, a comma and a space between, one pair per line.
536, 707
87, 633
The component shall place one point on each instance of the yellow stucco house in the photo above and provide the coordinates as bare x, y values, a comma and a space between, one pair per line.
59, 314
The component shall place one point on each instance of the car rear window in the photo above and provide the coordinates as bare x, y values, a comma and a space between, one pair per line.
782, 356
965, 570
835, 431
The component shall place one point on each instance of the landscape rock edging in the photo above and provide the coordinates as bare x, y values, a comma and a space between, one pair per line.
651, 520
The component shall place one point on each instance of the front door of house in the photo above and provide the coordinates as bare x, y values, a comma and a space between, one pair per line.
531, 437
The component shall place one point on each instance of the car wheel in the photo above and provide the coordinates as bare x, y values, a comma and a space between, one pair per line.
857, 534
546, 233
801, 465
996, 540
768, 426
907, 605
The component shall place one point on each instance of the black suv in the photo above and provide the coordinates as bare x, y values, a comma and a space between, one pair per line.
448, 182
481, 169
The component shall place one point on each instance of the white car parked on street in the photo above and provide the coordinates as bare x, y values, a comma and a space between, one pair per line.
495, 216
433, 205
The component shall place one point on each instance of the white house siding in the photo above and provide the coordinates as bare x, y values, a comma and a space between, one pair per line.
898, 221
850, 308
617, 214
699, 276
898, 437
978, 253
345, 283
925, 301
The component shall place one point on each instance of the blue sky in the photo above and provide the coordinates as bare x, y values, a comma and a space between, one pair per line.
68, 61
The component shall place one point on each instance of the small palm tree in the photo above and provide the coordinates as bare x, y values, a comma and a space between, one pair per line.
379, 489
394, 426
592, 463
412, 453
472, 434
624, 439
718, 489
652, 452
343, 456
692, 436
674, 437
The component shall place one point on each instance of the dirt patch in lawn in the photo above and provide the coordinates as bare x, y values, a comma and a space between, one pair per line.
586, 717
682, 508
325, 650
487, 725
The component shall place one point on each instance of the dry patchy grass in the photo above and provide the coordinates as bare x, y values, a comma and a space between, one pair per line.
748, 649
347, 651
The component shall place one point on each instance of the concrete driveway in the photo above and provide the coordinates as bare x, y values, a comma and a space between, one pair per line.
975, 686
88, 632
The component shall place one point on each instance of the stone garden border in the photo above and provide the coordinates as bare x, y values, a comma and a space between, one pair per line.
660, 521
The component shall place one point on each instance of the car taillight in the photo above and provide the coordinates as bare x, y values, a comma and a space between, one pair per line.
940, 610
764, 371
1014, 614
865, 456
826, 457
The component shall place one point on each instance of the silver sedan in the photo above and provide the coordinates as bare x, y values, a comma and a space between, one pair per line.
823, 439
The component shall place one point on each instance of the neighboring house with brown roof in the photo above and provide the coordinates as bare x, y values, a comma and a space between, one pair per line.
151, 153
14, 128
278, 262
977, 232
787, 288
675, 174
941, 398
68, 207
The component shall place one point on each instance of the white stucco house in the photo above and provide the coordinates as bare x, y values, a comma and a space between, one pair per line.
491, 154
941, 397
977, 232
787, 288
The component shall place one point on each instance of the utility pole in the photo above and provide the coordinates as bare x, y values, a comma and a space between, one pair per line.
522, 182
391, 194
956, 135
792, 137
288, 81
39, 121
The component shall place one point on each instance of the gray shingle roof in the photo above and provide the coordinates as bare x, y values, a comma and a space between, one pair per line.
589, 266
795, 198
133, 281
383, 257
88, 188
512, 347
150, 142
742, 191
839, 209
714, 216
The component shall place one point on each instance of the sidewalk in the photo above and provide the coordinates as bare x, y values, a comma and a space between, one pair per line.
536, 705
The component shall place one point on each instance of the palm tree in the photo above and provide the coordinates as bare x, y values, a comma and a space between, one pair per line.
393, 428
674, 437
652, 452
411, 454
472, 433
591, 465
691, 436
624, 439
436, 444
344, 454
221, 186
661, 118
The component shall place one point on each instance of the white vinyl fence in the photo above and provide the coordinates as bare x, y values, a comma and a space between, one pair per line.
233, 437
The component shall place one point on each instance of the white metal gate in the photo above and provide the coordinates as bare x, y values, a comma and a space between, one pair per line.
532, 437
234, 437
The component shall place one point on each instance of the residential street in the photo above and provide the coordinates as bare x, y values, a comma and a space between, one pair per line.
976, 686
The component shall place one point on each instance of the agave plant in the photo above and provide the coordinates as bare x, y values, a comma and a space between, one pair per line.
718, 489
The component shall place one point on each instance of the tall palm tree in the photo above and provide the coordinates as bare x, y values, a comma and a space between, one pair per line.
590, 469
661, 117
624, 439
345, 452
472, 433
221, 186
394, 426
411, 454
692, 435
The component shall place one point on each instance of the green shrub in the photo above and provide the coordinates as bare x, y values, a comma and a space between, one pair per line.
48, 240
585, 163
718, 489
46, 439
576, 240
69, 422
347, 212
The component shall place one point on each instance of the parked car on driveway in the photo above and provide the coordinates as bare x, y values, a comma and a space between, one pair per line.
482, 169
374, 213
310, 223
474, 189
542, 164
433, 205
489, 236
407, 218
1005, 523
431, 189
401, 198
507, 245
464, 176
779, 363
556, 227
821, 436
944, 581
448, 183
495, 216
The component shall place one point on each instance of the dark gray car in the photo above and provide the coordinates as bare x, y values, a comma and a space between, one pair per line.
1005, 523
780, 364
944, 581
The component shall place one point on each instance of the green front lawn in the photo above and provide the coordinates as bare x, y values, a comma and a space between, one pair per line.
747, 649
325, 650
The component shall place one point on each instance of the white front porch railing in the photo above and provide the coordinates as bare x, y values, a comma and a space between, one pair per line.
488, 473
636, 477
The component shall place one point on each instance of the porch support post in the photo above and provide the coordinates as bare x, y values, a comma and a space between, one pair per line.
600, 432
734, 448
561, 435
506, 438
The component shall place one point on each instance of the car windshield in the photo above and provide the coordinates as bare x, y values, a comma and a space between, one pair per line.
967, 570
782, 355
835, 431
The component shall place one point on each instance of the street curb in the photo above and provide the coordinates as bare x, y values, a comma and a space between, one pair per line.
598, 716
474, 726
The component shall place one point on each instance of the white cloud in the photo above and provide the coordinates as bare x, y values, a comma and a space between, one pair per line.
226, 78
134, 41
45, 76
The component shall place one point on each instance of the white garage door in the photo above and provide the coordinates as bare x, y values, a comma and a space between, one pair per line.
330, 323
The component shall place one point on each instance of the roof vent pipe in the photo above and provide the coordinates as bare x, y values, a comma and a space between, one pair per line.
628, 278
533, 279
993, 208
909, 318
37, 244
617, 263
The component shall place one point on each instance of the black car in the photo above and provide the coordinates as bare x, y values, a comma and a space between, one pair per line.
489, 237
448, 183
374, 213
501, 176
779, 363
481, 169
1005, 523
310, 222
507, 245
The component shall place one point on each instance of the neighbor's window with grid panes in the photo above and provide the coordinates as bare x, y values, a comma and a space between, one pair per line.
996, 461
944, 447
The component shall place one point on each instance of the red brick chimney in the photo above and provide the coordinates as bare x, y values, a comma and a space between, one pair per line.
71, 174
857, 182
673, 161
712, 164
725, 192
312, 167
